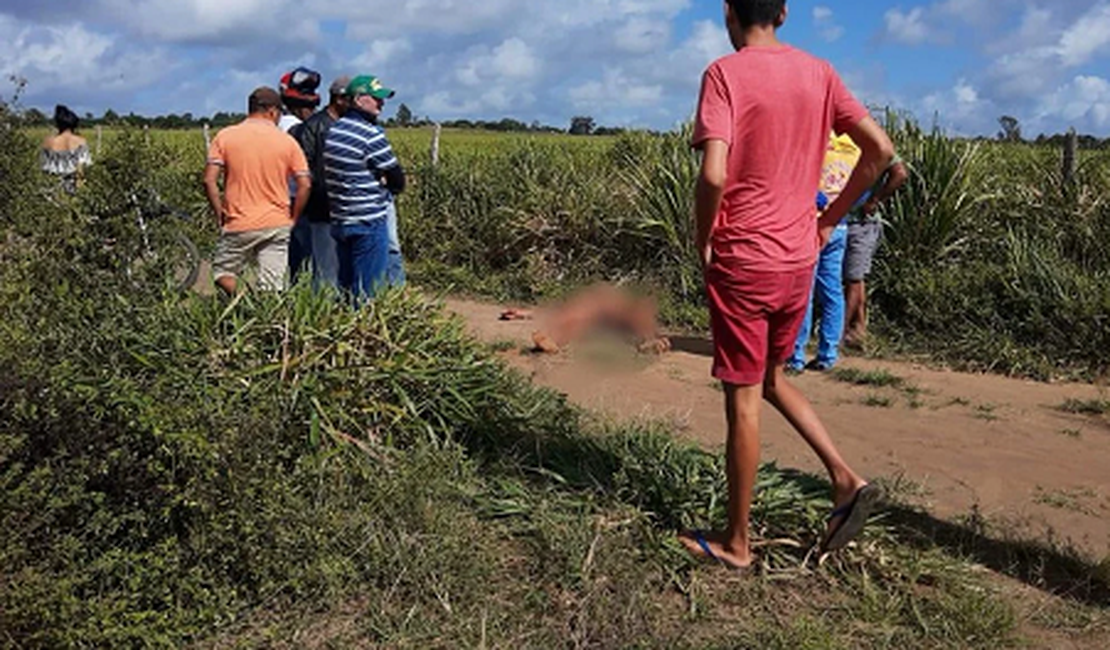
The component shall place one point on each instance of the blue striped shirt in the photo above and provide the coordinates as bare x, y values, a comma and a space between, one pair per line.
356, 153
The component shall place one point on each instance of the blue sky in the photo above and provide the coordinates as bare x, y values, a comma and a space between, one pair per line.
624, 62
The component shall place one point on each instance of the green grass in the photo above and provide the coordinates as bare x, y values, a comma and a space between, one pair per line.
875, 378
986, 412
1074, 500
1085, 406
503, 345
877, 401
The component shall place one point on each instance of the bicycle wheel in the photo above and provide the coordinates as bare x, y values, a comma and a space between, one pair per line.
167, 258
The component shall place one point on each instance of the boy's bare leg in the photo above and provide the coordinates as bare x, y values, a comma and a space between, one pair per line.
855, 296
799, 412
742, 411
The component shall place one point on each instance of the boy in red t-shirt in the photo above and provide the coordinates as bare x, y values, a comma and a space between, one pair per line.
763, 122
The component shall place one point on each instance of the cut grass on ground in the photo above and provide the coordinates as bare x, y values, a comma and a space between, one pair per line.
1096, 406
877, 378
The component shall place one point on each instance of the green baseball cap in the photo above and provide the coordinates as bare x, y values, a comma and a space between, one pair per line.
365, 84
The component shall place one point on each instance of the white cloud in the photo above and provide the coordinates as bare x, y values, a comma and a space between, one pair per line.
614, 90
211, 21
707, 42
74, 61
1029, 62
971, 11
960, 108
513, 59
826, 25
1083, 102
907, 28
381, 53
630, 62
641, 35
1088, 36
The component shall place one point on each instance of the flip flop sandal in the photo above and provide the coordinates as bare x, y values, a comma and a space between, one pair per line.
853, 516
699, 537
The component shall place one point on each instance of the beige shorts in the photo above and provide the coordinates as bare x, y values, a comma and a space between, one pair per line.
269, 248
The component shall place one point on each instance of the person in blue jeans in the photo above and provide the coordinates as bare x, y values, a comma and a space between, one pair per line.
841, 158
312, 246
828, 290
363, 252
395, 271
363, 175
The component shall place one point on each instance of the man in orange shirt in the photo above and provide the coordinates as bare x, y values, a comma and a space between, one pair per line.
256, 160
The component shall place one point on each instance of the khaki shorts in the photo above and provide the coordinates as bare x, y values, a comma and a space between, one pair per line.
269, 248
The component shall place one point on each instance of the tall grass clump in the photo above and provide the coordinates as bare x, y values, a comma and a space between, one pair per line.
992, 261
657, 236
931, 217
519, 221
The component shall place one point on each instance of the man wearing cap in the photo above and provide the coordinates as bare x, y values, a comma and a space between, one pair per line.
298, 97
362, 175
314, 244
256, 160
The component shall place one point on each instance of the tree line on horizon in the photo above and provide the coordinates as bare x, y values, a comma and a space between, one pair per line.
1010, 127
404, 118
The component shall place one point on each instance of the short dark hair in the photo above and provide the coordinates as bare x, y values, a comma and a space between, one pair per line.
65, 119
751, 13
262, 98
293, 103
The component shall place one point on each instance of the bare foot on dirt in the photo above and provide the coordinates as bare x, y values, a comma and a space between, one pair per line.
544, 343
735, 559
658, 345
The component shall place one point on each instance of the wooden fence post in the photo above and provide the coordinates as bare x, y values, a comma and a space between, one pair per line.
435, 144
99, 138
146, 133
1071, 145
207, 138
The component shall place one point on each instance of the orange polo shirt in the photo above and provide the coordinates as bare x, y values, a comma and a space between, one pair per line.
258, 158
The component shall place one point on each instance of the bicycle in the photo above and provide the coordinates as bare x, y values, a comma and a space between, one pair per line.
149, 248
164, 254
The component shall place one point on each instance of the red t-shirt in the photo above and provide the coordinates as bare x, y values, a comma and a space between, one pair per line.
774, 106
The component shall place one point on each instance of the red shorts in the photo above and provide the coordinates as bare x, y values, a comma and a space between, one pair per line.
755, 316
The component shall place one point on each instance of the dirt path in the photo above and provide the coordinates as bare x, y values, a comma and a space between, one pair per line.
957, 441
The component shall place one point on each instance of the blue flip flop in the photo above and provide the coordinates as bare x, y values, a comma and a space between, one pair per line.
853, 516
699, 537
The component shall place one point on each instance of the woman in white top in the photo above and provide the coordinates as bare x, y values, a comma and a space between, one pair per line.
65, 154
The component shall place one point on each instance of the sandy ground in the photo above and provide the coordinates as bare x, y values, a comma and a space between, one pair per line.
958, 442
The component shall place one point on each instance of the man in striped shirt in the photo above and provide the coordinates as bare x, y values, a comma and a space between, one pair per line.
362, 175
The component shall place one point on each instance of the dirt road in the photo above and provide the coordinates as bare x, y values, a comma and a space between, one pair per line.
956, 441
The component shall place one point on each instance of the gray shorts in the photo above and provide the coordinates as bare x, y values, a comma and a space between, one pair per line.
269, 248
863, 240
